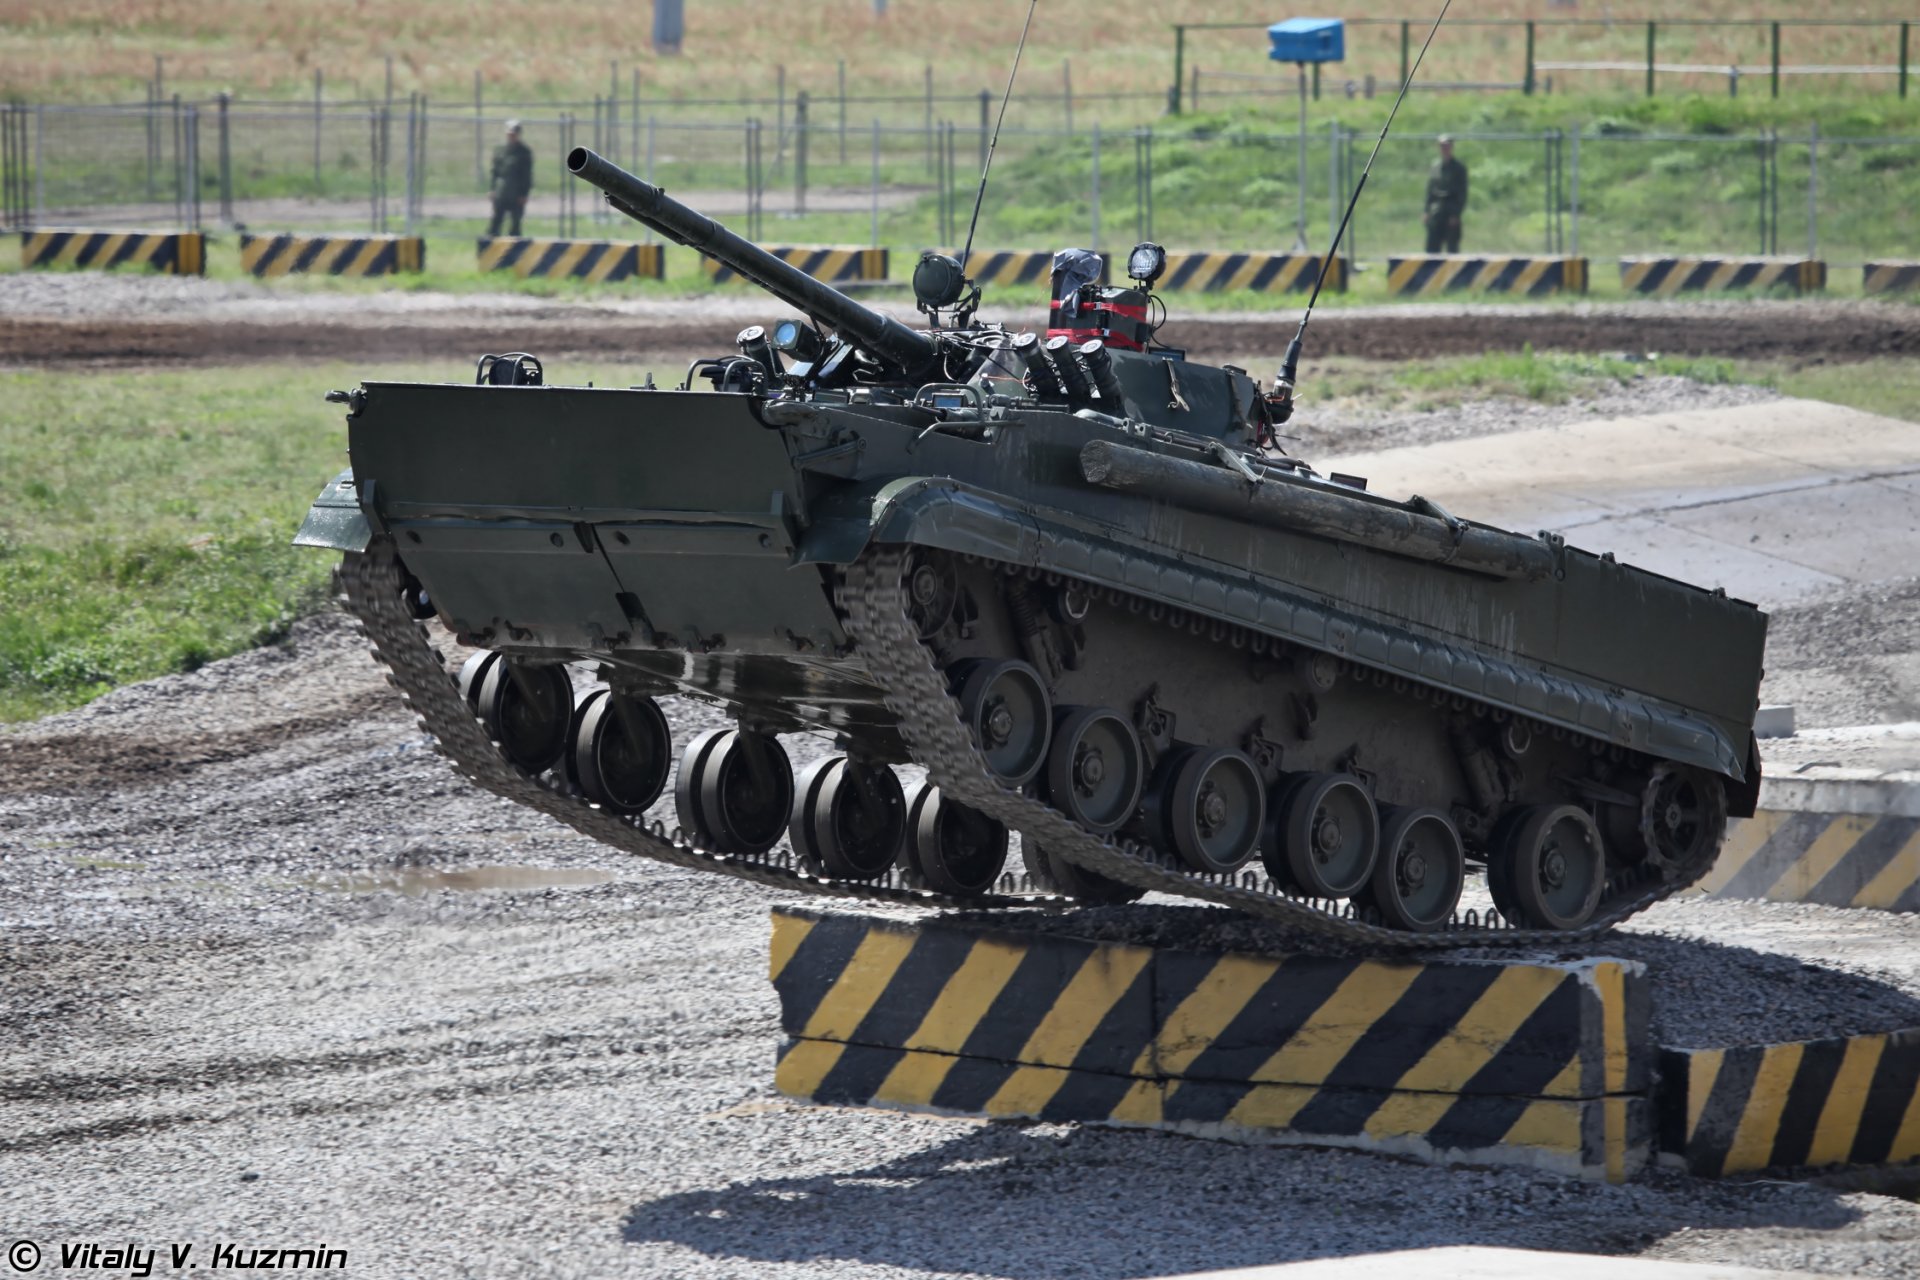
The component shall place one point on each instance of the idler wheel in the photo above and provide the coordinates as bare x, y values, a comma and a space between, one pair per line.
955, 850
1551, 867
1683, 817
1056, 875
1006, 707
622, 751
1325, 836
1215, 808
745, 789
933, 589
527, 710
1421, 869
850, 817
1095, 767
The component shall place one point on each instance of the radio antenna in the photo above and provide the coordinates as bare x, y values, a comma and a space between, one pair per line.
1290, 368
987, 166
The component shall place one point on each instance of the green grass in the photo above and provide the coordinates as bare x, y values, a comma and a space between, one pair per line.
145, 519
1888, 387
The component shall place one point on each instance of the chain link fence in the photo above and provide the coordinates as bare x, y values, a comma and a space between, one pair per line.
807, 177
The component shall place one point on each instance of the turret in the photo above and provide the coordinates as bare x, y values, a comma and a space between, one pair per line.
878, 335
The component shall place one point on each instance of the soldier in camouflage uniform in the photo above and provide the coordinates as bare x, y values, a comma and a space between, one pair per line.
1446, 200
512, 180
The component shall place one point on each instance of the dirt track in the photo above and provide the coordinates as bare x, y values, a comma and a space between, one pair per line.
287, 329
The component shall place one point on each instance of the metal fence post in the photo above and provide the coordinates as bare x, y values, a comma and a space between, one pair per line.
1650, 39
373, 168
1526, 81
1095, 246
613, 121
800, 152
873, 237
1405, 36
933, 155
226, 159
1179, 67
1906, 29
319, 108
843, 110
652, 122
413, 135
479, 134
153, 134
182, 194
1066, 90
193, 164
1333, 177
1776, 59
1573, 198
986, 106
1813, 190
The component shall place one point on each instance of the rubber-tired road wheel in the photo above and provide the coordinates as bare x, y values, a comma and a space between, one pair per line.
855, 820
1421, 869
1006, 706
622, 751
1095, 767
1216, 807
1554, 867
954, 849
527, 710
1324, 840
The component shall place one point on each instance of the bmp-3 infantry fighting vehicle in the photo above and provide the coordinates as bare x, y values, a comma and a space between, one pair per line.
1070, 575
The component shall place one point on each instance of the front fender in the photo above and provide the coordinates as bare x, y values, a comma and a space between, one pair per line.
926, 511
335, 519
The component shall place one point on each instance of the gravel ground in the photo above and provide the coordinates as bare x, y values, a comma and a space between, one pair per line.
247, 1001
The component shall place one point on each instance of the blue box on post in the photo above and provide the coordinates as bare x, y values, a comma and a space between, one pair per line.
1308, 40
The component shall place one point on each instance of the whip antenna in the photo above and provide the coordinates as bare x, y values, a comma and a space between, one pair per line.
1290, 368
987, 166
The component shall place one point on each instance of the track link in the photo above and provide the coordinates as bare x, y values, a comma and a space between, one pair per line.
371, 585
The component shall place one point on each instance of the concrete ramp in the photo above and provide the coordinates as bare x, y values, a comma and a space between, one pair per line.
1772, 501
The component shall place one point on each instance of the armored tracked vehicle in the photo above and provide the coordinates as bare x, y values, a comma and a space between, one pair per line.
1073, 576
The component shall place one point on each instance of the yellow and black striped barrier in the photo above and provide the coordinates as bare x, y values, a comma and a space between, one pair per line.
181, 253
331, 255
1260, 272
596, 260
1891, 277
1422, 275
1852, 1100
835, 265
1539, 1063
1664, 277
1836, 859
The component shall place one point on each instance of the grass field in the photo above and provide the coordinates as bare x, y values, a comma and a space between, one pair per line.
543, 50
145, 515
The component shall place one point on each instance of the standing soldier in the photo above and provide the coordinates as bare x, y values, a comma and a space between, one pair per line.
1446, 200
512, 180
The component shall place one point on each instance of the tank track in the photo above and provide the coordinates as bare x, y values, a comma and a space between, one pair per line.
371, 584
875, 601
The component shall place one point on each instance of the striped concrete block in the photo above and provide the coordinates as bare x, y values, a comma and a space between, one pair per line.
835, 265
597, 260
1890, 277
1540, 1063
1838, 859
1421, 275
1261, 272
1852, 1100
343, 255
176, 252
1665, 276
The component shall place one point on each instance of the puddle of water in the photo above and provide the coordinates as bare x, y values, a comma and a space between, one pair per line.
417, 882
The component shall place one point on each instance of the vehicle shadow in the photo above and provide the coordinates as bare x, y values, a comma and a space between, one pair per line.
1050, 1202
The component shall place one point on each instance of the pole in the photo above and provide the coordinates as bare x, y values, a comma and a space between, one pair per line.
186, 173
193, 162
319, 86
843, 111
1066, 89
226, 161
413, 130
651, 123
1300, 177
39, 167
634, 117
1179, 68
1776, 59
800, 152
1905, 29
479, 134
613, 117
933, 157
1573, 199
1333, 176
1813, 190
1404, 64
986, 104
873, 189
1095, 245
1526, 82
373, 168
1650, 35
1316, 82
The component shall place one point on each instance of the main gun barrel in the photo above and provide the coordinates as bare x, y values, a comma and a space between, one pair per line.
879, 334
